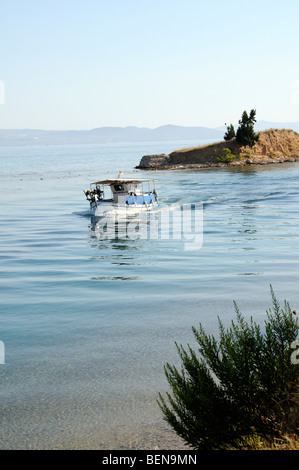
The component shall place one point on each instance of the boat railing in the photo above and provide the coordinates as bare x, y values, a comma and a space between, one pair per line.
141, 199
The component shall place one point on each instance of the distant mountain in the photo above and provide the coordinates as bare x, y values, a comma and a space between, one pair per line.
102, 135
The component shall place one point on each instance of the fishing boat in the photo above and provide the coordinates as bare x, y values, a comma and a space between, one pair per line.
132, 195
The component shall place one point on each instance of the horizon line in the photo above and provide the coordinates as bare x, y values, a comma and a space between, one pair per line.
132, 126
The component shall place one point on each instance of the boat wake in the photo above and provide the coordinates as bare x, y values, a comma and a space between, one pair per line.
125, 213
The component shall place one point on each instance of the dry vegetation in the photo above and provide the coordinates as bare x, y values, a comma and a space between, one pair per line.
286, 442
274, 143
273, 146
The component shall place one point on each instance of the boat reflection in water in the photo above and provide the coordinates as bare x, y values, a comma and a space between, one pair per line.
182, 224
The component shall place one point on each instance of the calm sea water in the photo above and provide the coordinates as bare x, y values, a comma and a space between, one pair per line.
88, 323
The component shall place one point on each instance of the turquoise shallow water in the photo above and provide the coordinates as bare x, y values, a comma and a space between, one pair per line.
88, 323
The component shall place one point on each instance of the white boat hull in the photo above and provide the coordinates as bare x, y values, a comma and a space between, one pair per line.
105, 208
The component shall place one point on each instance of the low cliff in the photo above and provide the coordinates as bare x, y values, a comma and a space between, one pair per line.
273, 146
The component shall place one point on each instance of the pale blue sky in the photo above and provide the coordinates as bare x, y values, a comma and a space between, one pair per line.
81, 64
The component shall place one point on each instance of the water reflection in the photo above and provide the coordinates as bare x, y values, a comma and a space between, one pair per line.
250, 170
179, 225
115, 278
116, 232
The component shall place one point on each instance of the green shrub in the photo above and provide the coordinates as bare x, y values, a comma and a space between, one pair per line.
227, 156
241, 386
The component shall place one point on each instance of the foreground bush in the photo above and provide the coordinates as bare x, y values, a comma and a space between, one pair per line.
241, 387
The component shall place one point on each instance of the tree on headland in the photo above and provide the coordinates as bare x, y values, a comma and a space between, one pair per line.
245, 133
230, 132
242, 388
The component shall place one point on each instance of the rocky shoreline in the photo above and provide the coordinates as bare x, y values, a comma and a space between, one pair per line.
274, 146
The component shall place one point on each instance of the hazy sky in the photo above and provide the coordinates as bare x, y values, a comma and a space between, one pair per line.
81, 64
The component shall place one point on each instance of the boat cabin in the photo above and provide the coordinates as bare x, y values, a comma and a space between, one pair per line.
129, 192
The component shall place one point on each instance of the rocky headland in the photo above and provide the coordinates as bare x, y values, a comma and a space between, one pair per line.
273, 146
